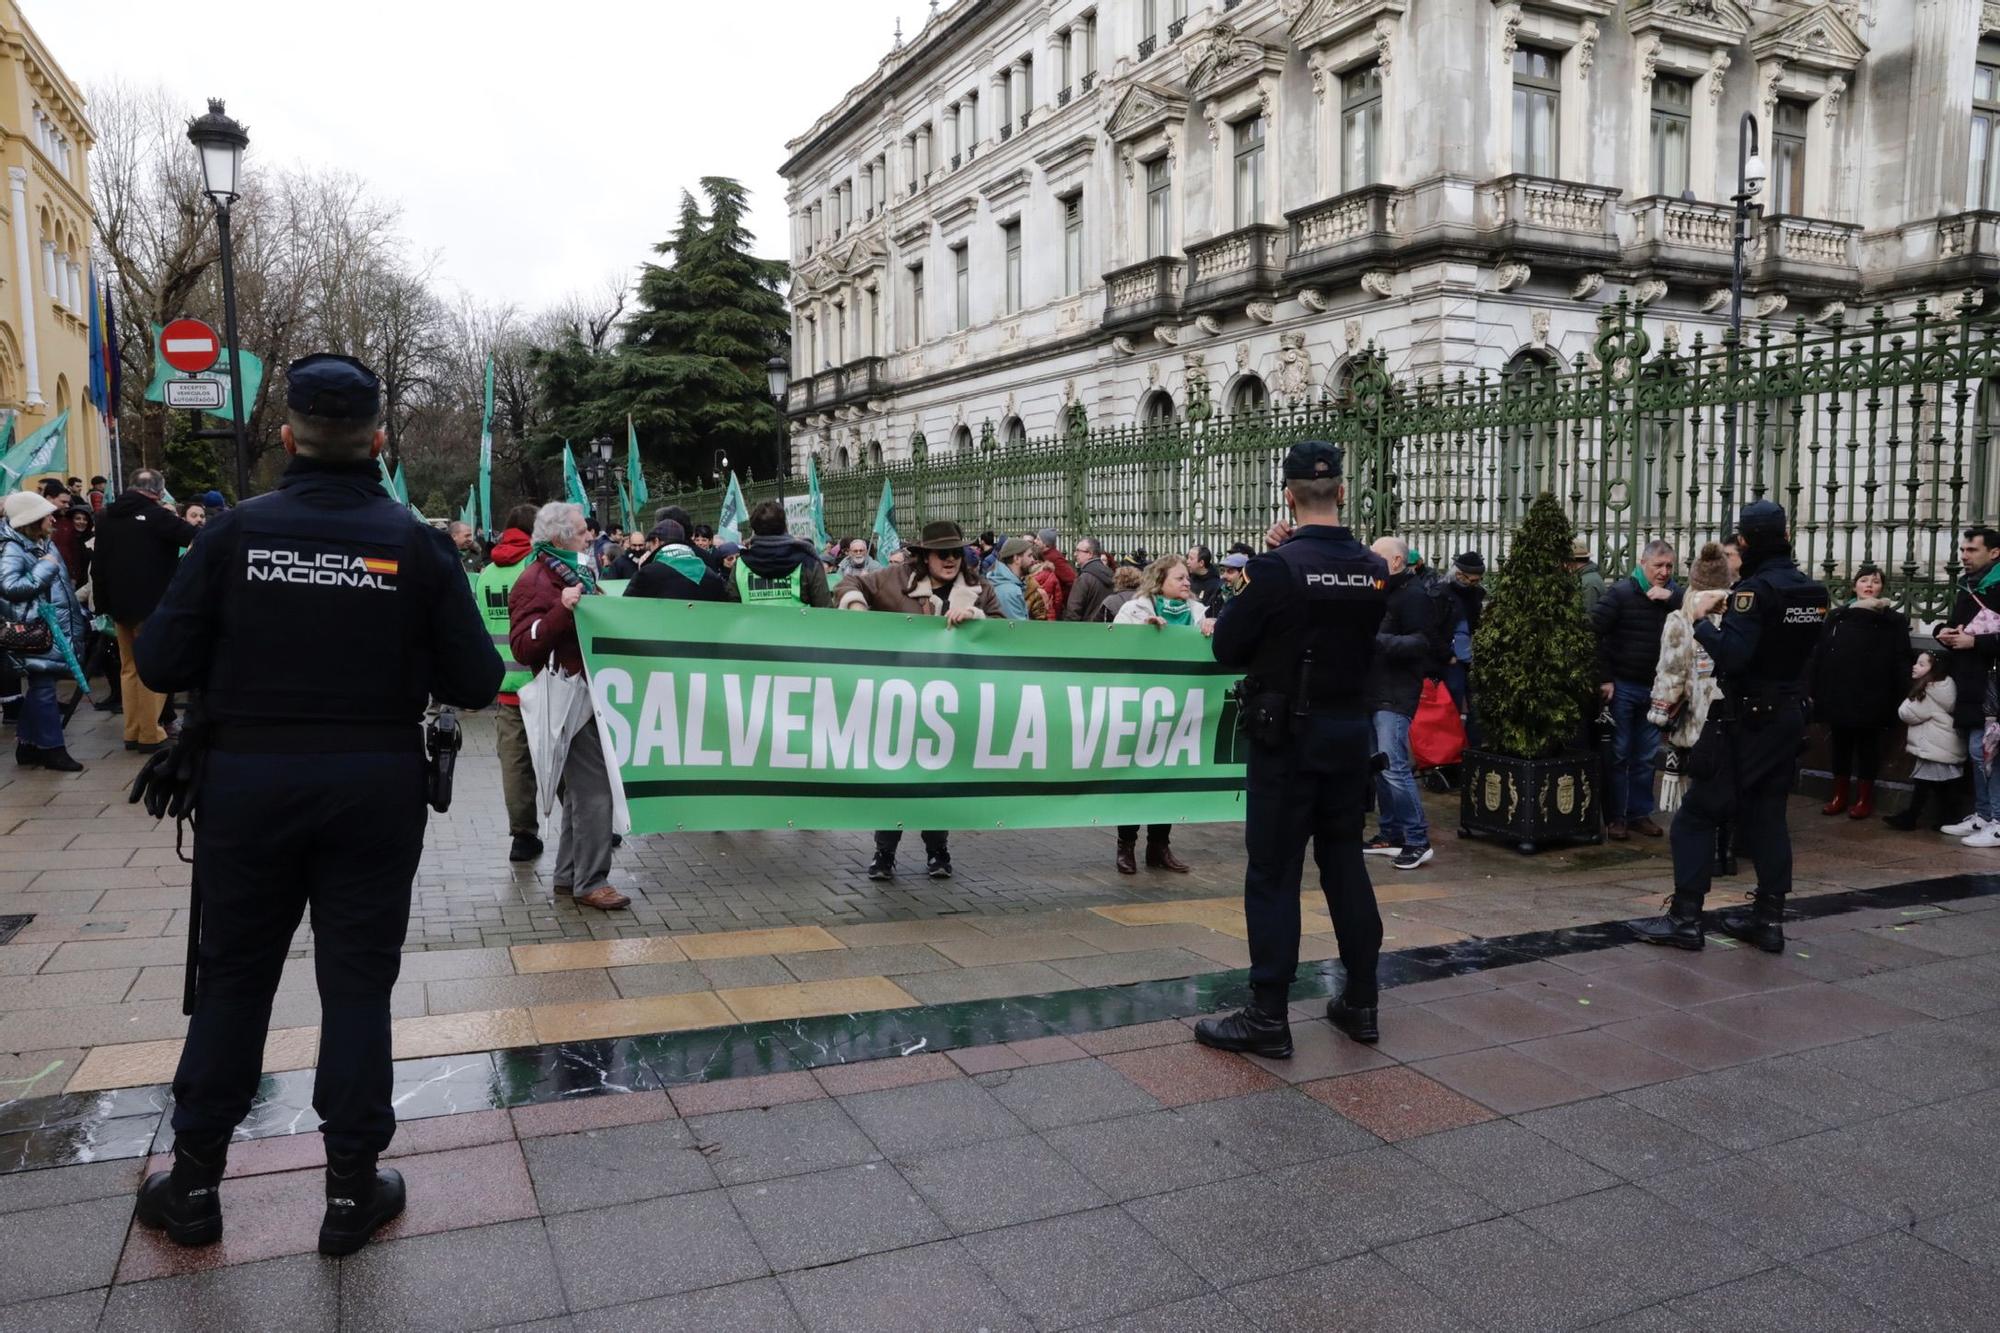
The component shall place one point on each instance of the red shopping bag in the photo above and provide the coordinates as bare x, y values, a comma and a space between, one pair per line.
1437, 737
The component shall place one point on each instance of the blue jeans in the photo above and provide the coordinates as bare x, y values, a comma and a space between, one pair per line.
1982, 777
1634, 742
1399, 809
41, 715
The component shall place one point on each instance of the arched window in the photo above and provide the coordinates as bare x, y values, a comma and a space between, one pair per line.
1248, 394
874, 453
1157, 409
961, 440
840, 459
1013, 433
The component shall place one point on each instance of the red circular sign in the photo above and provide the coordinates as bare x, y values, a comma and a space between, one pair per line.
189, 346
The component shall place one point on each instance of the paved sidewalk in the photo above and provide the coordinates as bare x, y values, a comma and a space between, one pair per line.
1608, 1137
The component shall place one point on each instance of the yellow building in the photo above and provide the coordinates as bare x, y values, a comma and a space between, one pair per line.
45, 233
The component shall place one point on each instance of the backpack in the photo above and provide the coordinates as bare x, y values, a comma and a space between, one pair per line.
1444, 619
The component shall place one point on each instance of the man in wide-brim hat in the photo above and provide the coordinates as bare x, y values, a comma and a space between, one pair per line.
937, 581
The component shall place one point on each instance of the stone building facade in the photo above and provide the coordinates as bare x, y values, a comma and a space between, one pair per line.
1131, 205
45, 236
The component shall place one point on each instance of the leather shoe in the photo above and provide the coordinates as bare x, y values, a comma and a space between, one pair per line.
144, 747
1163, 858
1128, 861
1645, 825
526, 847
604, 898
1248, 1031
359, 1200
1616, 831
1357, 1021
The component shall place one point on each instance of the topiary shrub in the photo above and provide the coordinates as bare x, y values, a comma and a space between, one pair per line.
1534, 658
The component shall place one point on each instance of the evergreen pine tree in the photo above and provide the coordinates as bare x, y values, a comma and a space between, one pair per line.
1534, 658
691, 369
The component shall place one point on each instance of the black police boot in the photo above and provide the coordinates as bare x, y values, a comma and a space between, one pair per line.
883, 866
1759, 922
1356, 1020
359, 1200
1679, 928
186, 1202
526, 847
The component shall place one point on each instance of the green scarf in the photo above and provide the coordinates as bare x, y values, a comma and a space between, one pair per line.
1986, 581
574, 560
1174, 611
685, 561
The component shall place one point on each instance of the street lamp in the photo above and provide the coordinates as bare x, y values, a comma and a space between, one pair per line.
1749, 184
598, 465
778, 374
721, 467
221, 141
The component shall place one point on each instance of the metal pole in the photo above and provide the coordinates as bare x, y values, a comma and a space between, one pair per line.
1746, 145
235, 355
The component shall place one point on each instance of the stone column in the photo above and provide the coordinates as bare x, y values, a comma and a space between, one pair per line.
1022, 95
926, 163
24, 260
951, 133
968, 127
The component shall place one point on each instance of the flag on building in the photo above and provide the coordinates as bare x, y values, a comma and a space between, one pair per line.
887, 539
100, 361
484, 523
573, 482
47, 450
729, 526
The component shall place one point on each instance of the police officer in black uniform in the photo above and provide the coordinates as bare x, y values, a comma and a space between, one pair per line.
317, 622
1744, 765
1303, 627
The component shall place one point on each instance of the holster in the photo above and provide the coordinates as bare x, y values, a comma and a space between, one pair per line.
1263, 714
443, 739
169, 786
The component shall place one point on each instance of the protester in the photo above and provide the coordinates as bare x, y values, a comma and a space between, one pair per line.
1732, 550
1405, 649
1935, 744
631, 557
1203, 579
597, 549
510, 736
704, 536
939, 586
1010, 569
1685, 686
1092, 585
97, 496
32, 575
726, 556
776, 568
1124, 587
139, 545
1468, 571
467, 542
675, 571
543, 631
1972, 634
1164, 599
1589, 579
1048, 548
74, 533
856, 561
213, 502
1629, 621
1860, 676
195, 513
1234, 576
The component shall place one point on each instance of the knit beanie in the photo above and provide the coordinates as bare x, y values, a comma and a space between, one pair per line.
1711, 569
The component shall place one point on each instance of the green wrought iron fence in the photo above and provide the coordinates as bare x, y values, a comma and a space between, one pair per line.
1876, 436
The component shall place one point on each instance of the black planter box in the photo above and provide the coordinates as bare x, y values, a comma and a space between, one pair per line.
1531, 802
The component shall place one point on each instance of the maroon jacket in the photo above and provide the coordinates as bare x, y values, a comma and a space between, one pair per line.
539, 625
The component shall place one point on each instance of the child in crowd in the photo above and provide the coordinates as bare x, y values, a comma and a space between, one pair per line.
1933, 741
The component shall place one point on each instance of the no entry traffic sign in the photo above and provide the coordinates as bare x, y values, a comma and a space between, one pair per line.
189, 346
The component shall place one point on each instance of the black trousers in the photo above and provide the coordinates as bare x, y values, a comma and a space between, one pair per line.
1857, 751
1748, 792
1157, 835
278, 834
1315, 791
935, 843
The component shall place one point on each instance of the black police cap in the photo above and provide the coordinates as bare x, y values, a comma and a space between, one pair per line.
336, 387
1312, 460
1761, 518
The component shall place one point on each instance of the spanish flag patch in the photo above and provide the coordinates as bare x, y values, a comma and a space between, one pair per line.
379, 566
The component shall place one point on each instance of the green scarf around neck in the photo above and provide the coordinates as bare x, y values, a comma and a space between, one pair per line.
1174, 610
1984, 583
574, 559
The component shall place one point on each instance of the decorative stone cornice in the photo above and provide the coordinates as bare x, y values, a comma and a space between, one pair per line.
1697, 22
1323, 21
1143, 108
1222, 60
1006, 189
1818, 39
1064, 155
1989, 16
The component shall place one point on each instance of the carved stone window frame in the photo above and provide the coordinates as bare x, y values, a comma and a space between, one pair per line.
1810, 57
1338, 37
1235, 77
1149, 122
1572, 27
1673, 37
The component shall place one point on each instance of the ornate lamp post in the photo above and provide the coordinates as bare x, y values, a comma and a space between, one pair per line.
1749, 184
221, 141
778, 374
598, 465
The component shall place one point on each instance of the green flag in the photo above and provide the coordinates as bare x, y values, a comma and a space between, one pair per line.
388, 479
398, 486
887, 539
573, 482
729, 525
635, 469
485, 522
821, 537
253, 379
469, 515
47, 450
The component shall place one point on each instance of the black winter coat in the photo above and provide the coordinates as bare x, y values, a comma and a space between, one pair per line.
1861, 669
1628, 625
1087, 594
657, 578
1403, 647
139, 543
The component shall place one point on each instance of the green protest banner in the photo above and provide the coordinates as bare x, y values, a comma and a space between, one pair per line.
720, 719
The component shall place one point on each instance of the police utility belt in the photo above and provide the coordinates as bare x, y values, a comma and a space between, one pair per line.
1752, 704
1272, 716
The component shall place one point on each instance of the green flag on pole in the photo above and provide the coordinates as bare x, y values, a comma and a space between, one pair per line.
253, 379
573, 482
388, 480
729, 526
484, 525
887, 539
47, 450
7, 441
821, 537
469, 515
400, 487
635, 470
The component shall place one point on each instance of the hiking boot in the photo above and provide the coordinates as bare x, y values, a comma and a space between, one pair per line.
1248, 1031
882, 867
525, 847
1679, 928
1411, 857
938, 867
186, 1202
1128, 858
58, 761
1162, 858
359, 1200
1356, 1020
1759, 922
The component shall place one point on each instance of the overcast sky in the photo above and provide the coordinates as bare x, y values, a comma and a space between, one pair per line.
538, 148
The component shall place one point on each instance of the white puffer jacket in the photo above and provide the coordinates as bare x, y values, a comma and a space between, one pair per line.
1931, 732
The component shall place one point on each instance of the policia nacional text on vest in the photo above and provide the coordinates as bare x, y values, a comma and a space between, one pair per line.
1304, 627
316, 624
